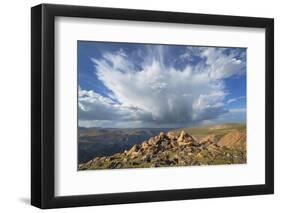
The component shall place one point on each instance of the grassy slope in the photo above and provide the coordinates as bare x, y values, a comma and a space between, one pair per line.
218, 130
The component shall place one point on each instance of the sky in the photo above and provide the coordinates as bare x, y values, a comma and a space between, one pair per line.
129, 85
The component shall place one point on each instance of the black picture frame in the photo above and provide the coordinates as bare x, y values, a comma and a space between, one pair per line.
43, 102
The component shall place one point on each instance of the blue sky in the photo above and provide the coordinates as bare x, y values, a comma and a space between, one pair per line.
144, 85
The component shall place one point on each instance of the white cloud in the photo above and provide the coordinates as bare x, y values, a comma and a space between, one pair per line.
220, 63
231, 100
159, 93
93, 106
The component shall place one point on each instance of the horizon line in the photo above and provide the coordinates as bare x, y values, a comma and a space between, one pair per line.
204, 125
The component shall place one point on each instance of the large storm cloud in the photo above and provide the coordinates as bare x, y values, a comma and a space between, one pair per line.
154, 86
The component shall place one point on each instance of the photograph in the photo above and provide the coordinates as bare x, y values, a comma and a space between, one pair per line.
143, 105
138, 105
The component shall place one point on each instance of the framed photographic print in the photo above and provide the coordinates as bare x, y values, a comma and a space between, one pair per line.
139, 106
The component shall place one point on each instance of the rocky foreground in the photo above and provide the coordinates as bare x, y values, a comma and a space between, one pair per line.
177, 149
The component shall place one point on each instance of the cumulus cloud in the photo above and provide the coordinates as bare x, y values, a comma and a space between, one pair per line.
153, 91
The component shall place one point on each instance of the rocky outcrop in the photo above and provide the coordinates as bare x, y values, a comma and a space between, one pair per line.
173, 149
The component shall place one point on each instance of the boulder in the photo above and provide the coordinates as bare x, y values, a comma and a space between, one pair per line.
162, 136
172, 136
135, 148
208, 139
151, 141
146, 158
145, 145
184, 137
181, 137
